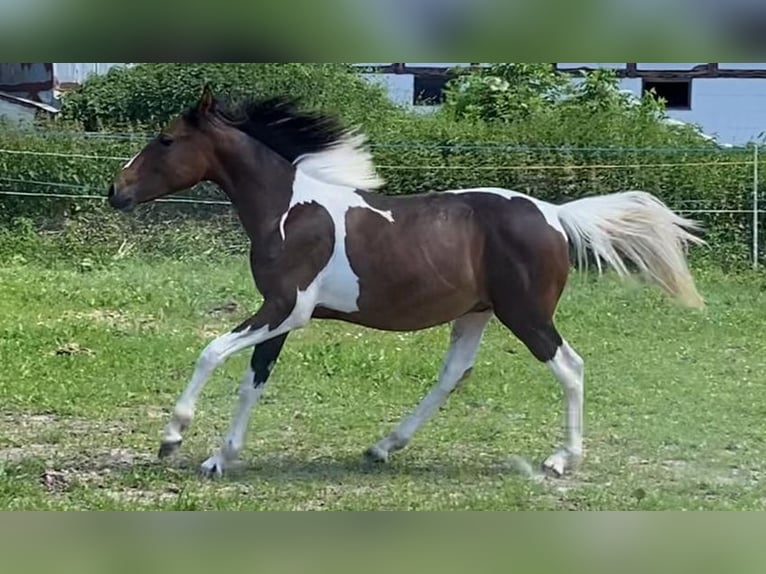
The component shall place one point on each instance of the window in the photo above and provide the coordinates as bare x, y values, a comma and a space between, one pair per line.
429, 89
676, 93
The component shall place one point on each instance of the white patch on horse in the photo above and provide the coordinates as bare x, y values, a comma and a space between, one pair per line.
338, 284
130, 161
548, 210
214, 354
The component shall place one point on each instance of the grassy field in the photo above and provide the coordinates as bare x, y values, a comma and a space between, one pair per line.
91, 361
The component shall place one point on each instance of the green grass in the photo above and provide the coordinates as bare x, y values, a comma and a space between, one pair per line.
91, 362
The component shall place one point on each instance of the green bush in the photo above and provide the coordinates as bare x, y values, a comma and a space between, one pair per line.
146, 96
590, 140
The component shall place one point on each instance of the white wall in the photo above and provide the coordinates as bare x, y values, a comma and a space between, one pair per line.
639, 65
742, 66
733, 110
668, 66
400, 87
632, 84
570, 65
77, 73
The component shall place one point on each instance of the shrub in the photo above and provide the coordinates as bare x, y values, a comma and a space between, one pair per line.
551, 141
146, 96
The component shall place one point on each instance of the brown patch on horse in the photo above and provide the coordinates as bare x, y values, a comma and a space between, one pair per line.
481, 251
424, 269
527, 264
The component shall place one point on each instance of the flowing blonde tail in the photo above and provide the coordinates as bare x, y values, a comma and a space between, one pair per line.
636, 226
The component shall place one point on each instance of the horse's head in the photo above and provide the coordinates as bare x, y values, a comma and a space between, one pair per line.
178, 158
259, 140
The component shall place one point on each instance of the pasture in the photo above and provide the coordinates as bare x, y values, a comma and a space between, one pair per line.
92, 361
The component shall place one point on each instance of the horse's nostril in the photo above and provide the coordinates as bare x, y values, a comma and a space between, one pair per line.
111, 191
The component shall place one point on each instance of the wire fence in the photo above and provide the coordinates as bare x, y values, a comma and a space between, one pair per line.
25, 185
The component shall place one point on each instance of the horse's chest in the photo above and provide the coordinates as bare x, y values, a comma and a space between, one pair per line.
336, 283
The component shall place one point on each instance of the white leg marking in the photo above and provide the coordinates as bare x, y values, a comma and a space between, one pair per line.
465, 339
568, 367
217, 352
249, 394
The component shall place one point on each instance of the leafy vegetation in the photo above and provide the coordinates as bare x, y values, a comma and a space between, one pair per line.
520, 126
545, 106
103, 316
146, 96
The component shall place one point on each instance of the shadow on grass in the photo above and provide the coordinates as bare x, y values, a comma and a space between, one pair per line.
292, 468
286, 468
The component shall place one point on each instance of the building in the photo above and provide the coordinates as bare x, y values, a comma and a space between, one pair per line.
44, 81
727, 100
417, 85
18, 110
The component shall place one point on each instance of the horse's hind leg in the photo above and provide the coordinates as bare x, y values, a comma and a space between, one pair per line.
568, 367
543, 340
466, 336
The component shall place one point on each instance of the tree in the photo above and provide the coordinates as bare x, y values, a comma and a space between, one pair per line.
146, 96
551, 107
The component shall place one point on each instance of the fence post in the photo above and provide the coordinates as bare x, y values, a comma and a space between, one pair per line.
755, 206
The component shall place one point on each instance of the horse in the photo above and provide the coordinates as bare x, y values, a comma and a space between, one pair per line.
327, 243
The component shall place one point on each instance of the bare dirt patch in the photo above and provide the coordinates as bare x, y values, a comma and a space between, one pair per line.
113, 318
24, 428
72, 348
207, 332
712, 472
228, 308
39, 437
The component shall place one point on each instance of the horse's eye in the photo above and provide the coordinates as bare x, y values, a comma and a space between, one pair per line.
165, 140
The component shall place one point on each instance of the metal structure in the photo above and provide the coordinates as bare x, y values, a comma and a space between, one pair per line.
43, 81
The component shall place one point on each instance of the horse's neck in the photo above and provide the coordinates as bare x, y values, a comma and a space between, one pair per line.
260, 190
260, 209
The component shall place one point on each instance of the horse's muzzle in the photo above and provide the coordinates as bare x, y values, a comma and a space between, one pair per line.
118, 201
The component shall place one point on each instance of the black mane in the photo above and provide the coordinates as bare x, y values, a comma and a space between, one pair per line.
278, 123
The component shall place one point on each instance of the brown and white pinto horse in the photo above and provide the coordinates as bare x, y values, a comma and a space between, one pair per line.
324, 246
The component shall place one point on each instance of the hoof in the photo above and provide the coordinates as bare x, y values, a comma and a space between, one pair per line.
211, 468
375, 454
552, 469
559, 463
168, 448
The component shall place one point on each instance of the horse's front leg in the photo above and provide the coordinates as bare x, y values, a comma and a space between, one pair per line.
275, 318
251, 388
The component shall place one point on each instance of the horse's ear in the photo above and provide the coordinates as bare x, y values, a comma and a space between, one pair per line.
206, 100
